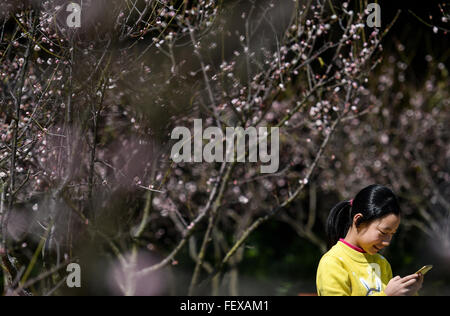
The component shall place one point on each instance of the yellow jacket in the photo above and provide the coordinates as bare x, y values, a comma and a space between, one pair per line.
344, 271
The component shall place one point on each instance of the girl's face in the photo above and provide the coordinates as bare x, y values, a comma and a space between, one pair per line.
374, 236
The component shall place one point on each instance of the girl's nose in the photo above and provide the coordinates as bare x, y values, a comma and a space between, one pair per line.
386, 242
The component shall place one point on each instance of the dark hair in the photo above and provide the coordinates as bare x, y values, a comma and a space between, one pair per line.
373, 202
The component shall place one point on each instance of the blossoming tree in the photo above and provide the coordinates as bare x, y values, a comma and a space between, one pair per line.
86, 115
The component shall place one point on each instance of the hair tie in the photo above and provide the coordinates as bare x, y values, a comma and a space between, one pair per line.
351, 202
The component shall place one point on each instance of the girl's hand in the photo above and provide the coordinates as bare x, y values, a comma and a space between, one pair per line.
415, 287
409, 285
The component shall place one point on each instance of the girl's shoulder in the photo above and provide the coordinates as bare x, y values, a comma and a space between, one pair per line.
334, 254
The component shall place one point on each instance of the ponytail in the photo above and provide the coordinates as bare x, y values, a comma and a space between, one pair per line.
338, 222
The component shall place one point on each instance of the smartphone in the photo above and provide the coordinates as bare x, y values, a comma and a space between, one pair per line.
425, 269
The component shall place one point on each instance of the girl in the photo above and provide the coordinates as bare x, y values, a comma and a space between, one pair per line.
357, 230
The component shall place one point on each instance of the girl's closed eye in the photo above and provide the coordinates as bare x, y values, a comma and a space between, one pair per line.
385, 233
